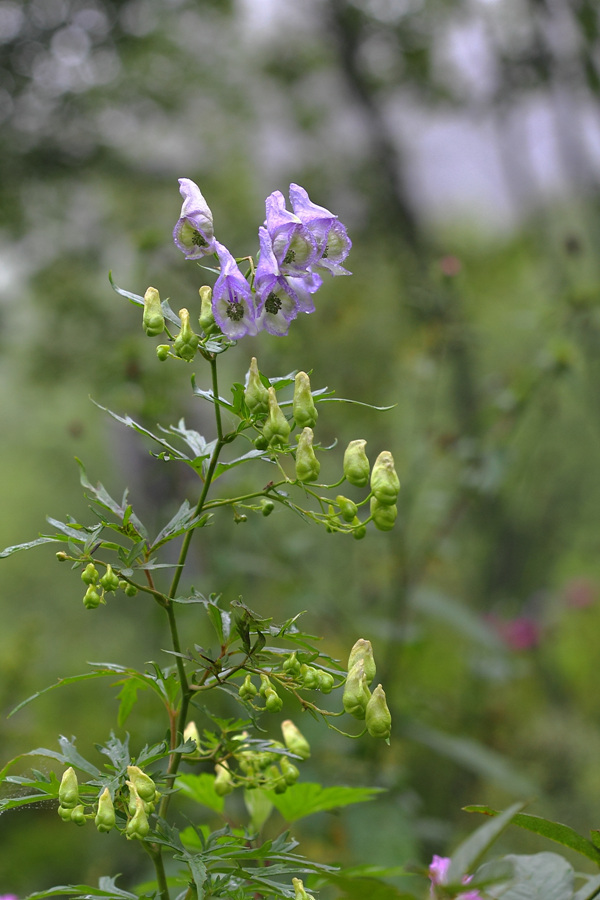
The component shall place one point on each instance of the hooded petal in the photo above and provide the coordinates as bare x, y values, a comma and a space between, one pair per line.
232, 303
331, 236
303, 288
294, 246
277, 302
194, 234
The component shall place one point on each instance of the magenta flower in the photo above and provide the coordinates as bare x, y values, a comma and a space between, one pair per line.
438, 873
294, 247
277, 302
193, 233
331, 236
232, 303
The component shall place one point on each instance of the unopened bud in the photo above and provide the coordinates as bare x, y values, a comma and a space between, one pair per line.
273, 702
348, 508
277, 779
256, 394
292, 665
247, 690
266, 506
300, 893
385, 483
223, 780
90, 574
309, 676
143, 784
290, 772
105, 817
109, 581
68, 792
378, 717
356, 464
294, 740
186, 342
92, 598
325, 681
162, 352
303, 405
362, 650
78, 815
138, 826
153, 320
307, 464
384, 514
191, 733
356, 691
277, 428
206, 319
359, 530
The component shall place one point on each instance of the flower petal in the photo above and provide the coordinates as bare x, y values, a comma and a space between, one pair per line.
194, 234
232, 302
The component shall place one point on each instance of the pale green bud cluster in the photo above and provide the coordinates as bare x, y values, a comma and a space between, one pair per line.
271, 768
98, 586
136, 801
186, 342
384, 484
358, 700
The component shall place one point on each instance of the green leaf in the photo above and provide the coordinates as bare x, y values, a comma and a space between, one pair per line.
184, 519
127, 698
555, 831
8, 551
468, 854
305, 798
259, 805
122, 511
201, 789
107, 890
172, 452
225, 466
542, 876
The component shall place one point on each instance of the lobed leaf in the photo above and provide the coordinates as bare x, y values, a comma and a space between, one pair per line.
306, 798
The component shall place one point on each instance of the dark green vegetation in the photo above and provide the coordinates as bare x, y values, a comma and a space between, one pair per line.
483, 601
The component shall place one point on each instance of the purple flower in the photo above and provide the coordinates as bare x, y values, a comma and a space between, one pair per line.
232, 303
303, 288
193, 233
331, 236
294, 247
438, 873
277, 302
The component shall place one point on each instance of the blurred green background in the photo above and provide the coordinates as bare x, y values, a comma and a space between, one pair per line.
460, 144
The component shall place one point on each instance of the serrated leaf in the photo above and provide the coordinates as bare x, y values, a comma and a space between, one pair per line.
471, 851
127, 698
555, 831
225, 466
183, 520
201, 789
122, 510
107, 890
305, 798
173, 453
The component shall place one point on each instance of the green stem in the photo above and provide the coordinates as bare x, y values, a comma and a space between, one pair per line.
161, 879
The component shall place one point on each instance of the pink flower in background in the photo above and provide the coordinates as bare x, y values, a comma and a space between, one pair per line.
580, 592
438, 873
518, 633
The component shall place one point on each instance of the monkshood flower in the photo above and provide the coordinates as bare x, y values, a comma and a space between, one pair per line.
438, 873
193, 233
303, 288
277, 303
331, 236
232, 303
294, 247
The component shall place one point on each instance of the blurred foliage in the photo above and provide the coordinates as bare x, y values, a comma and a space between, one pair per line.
483, 603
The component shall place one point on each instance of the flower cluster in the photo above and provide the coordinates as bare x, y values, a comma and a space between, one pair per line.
438, 873
295, 247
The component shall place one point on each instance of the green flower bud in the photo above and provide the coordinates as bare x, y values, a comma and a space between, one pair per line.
186, 342
273, 702
138, 826
309, 676
277, 428
162, 352
61, 556
191, 733
378, 717
68, 792
277, 779
348, 509
362, 650
260, 442
358, 529
142, 783
256, 394
247, 690
206, 320
294, 740
153, 320
109, 580
129, 589
90, 574
78, 815
299, 889
305, 412
292, 666
105, 817
290, 772
223, 780
325, 681
65, 813
385, 483
307, 464
356, 464
266, 506
356, 691
384, 514
92, 598
265, 685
